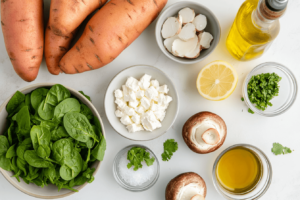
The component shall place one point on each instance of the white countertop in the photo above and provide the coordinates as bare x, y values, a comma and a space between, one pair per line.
242, 126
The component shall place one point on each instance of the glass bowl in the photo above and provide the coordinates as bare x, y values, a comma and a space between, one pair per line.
145, 186
287, 91
262, 186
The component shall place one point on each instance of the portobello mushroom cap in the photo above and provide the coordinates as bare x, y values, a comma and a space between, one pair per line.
175, 186
203, 121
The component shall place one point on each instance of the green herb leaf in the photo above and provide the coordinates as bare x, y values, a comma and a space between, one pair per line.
242, 99
136, 155
278, 149
170, 147
250, 111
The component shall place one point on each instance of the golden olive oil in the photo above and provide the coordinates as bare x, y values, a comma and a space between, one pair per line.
252, 32
239, 170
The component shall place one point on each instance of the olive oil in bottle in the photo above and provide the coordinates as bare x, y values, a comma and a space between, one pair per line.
239, 170
255, 27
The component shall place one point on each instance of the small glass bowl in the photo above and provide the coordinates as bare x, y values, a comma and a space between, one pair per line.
262, 186
125, 185
287, 91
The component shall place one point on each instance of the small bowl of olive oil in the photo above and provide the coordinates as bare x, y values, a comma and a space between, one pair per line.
242, 172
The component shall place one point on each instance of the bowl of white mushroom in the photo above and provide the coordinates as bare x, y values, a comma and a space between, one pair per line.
187, 32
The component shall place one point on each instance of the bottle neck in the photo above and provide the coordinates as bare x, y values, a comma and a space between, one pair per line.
263, 16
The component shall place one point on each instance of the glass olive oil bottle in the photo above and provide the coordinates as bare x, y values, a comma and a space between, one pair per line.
239, 170
255, 27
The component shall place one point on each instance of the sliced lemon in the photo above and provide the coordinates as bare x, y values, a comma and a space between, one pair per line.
217, 80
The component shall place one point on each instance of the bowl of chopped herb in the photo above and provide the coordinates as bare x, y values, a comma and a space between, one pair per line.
270, 89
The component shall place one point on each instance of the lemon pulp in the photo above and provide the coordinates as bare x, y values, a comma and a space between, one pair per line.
217, 80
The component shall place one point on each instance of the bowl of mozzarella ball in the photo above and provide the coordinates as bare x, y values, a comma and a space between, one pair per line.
141, 103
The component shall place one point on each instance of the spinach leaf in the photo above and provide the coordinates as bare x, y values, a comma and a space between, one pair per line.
46, 110
59, 133
28, 102
85, 110
23, 121
12, 137
62, 184
24, 146
22, 165
56, 94
41, 137
67, 105
33, 173
34, 160
39, 181
4, 145
70, 160
12, 115
36, 119
51, 174
99, 151
11, 152
37, 96
5, 163
86, 96
62, 149
85, 163
15, 101
86, 176
79, 127
15, 168
50, 125
72, 166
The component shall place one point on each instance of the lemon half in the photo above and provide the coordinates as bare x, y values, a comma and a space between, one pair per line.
217, 80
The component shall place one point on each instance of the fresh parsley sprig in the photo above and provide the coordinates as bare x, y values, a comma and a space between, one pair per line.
136, 155
262, 88
278, 149
170, 146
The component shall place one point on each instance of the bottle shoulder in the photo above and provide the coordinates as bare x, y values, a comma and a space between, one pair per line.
253, 29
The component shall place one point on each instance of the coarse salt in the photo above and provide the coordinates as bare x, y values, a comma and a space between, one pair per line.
135, 178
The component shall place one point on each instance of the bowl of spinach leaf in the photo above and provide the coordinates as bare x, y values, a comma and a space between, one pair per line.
52, 140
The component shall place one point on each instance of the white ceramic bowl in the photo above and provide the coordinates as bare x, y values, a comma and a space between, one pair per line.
213, 27
50, 191
137, 72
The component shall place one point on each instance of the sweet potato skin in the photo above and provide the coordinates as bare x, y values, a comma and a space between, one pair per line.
23, 32
65, 17
56, 47
109, 32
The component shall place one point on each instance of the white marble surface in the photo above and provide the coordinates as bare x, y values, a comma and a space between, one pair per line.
242, 126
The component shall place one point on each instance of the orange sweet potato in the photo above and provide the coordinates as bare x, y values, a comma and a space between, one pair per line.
65, 17
113, 28
23, 31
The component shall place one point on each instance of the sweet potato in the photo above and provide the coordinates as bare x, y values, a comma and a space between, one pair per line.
109, 32
65, 17
23, 31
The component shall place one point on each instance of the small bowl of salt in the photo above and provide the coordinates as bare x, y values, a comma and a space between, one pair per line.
135, 181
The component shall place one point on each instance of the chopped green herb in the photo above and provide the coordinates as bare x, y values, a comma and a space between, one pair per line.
136, 155
278, 149
250, 111
242, 99
170, 147
262, 88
